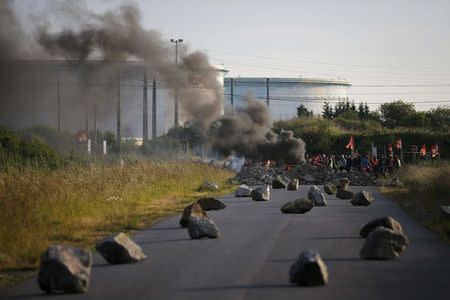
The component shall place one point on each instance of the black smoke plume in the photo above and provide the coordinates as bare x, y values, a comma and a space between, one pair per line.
117, 36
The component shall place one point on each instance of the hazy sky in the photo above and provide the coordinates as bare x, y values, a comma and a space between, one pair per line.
365, 42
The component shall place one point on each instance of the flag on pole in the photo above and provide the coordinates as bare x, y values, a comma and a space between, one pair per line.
423, 150
434, 150
351, 143
398, 144
390, 148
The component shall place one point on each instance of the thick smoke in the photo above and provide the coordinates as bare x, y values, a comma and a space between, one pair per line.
118, 36
247, 131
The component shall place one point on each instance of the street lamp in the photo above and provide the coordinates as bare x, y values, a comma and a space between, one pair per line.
176, 42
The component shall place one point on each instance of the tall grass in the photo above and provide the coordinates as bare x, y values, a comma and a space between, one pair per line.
426, 186
77, 205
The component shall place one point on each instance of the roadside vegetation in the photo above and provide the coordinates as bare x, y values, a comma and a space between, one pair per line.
47, 197
391, 121
424, 188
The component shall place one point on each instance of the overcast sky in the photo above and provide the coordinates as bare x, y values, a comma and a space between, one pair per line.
365, 42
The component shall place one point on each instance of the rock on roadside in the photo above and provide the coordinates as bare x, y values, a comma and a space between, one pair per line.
309, 270
209, 186
344, 194
189, 210
120, 249
66, 269
293, 185
316, 196
383, 243
211, 203
278, 183
342, 183
330, 188
299, 206
202, 227
261, 193
243, 191
363, 198
386, 222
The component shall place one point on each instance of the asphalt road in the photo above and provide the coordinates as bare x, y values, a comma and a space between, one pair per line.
258, 245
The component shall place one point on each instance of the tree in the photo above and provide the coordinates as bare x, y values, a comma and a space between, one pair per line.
440, 118
327, 112
366, 110
396, 113
302, 111
361, 114
352, 106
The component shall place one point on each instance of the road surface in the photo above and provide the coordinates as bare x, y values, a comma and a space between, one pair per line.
258, 245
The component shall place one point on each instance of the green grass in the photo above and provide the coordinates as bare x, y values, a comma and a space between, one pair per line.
79, 205
426, 186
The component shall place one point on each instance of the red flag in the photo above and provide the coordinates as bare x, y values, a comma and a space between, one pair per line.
434, 150
390, 147
423, 150
351, 143
398, 144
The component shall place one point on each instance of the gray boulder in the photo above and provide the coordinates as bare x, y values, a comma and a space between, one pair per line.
383, 243
66, 269
316, 196
299, 206
120, 249
211, 203
342, 183
344, 194
293, 185
210, 186
202, 227
261, 193
309, 270
278, 183
243, 191
363, 198
330, 188
193, 209
386, 222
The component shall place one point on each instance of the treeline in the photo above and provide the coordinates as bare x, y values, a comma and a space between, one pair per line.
388, 115
391, 121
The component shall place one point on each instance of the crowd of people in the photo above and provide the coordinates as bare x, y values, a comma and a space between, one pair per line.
376, 165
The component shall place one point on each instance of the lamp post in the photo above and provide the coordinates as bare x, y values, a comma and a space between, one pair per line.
176, 42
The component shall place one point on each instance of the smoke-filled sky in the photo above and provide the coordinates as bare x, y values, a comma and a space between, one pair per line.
387, 42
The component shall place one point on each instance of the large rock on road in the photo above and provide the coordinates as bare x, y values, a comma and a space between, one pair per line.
386, 222
383, 243
309, 270
66, 269
120, 249
299, 206
316, 196
261, 193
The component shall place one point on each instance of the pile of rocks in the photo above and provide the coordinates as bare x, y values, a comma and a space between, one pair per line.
306, 174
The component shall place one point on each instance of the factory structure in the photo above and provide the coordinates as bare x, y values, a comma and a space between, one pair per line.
284, 95
123, 97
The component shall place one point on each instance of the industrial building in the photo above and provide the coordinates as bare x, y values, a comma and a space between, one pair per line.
284, 95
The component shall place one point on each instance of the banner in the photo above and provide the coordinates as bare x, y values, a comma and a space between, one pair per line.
351, 143
423, 150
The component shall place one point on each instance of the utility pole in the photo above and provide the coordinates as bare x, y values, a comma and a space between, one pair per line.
145, 111
267, 91
154, 109
59, 106
176, 42
231, 91
119, 133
